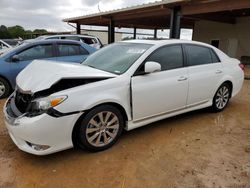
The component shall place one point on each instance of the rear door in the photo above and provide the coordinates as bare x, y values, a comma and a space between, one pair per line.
161, 92
205, 70
69, 52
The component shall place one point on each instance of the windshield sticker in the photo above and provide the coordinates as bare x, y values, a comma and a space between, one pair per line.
135, 51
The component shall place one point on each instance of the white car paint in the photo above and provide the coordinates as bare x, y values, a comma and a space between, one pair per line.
4, 47
145, 98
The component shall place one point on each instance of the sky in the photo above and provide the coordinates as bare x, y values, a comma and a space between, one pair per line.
48, 14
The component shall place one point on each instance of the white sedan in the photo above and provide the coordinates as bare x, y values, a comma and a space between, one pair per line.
124, 85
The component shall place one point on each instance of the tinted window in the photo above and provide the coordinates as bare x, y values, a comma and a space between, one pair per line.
198, 55
71, 50
88, 40
53, 38
170, 57
215, 58
71, 38
37, 52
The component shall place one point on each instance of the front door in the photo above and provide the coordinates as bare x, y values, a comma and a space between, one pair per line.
161, 92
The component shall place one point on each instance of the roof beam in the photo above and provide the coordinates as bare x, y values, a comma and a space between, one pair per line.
201, 7
216, 18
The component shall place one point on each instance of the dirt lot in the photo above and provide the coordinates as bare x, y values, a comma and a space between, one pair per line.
198, 149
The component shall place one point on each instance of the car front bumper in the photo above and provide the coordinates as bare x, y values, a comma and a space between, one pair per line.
52, 134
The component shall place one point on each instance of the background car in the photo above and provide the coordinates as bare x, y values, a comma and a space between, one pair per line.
4, 47
87, 39
15, 60
124, 85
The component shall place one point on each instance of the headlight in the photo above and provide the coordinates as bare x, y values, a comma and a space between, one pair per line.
40, 106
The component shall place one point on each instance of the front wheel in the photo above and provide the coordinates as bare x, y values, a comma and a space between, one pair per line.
221, 97
4, 88
100, 128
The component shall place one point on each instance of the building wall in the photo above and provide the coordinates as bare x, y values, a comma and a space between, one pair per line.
102, 35
233, 37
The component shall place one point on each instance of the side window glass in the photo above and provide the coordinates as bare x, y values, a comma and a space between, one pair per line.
198, 55
170, 57
83, 51
88, 40
215, 57
53, 38
36, 52
70, 50
72, 38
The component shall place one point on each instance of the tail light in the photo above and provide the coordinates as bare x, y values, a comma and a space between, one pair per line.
242, 66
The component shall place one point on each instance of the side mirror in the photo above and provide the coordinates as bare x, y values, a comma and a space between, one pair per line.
15, 58
152, 66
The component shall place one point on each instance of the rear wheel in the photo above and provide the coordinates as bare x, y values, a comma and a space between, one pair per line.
100, 128
221, 97
4, 88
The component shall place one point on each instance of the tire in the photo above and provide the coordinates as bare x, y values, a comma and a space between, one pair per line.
221, 97
100, 128
4, 88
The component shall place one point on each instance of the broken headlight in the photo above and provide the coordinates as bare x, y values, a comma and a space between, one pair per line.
40, 106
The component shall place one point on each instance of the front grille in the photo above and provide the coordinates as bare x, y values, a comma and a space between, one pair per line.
22, 101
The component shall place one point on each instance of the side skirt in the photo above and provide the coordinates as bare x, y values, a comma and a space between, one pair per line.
139, 123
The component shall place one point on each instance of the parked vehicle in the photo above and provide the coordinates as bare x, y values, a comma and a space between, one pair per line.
87, 39
4, 47
122, 86
15, 60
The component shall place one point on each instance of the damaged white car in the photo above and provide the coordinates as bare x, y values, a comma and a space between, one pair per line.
122, 86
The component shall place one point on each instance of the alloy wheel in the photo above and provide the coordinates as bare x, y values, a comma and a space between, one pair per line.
102, 129
2, 89
222, 97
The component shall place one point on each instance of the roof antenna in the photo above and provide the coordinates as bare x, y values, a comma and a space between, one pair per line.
99, 7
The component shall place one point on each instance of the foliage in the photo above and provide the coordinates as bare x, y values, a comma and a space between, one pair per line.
18, 32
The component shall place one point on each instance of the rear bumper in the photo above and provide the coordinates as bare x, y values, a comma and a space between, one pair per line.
44, 130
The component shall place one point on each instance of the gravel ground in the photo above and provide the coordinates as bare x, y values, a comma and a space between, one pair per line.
198, 149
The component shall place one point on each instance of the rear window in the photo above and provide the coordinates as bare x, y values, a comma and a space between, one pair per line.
215, 57
71, 50
198, 55
89, 40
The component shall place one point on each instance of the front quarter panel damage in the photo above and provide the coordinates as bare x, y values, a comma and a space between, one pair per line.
115, 90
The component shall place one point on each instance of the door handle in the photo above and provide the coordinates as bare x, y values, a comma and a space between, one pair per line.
182, 78
218, 72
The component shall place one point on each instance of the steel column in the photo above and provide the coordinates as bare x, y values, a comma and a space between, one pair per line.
175, 20
78, 28
134, 33
155, 33
111, 32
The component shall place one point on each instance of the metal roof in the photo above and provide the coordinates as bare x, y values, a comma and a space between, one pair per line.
146, 5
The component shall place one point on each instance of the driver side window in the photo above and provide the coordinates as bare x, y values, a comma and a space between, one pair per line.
170, 57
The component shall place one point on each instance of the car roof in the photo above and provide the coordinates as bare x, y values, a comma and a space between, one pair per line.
53, 41
166, 41
70, 35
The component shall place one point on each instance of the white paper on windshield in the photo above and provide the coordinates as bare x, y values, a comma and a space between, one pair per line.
135, 51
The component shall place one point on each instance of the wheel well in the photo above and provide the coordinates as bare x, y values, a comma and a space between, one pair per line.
6, 81
231, 87
118, 106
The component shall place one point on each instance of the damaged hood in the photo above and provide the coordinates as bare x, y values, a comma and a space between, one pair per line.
41, 74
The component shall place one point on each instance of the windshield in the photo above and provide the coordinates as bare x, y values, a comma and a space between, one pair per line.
116, 58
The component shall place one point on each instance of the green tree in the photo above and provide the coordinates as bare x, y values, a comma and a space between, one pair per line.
40, 31
4, 33
16, 31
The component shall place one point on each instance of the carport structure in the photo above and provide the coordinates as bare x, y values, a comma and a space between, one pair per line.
168, 14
